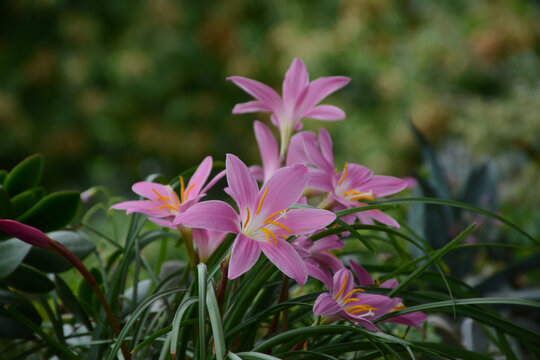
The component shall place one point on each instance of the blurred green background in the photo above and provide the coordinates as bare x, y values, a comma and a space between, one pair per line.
111, 91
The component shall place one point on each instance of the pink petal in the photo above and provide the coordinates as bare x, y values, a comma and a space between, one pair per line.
381, 217
147, 189
383, 185
296, 80
306, 221
357, 176
257, 172
361, 274
244, 255
147, 207
259, 91
214, 180
167, 222
325, 142
325, 112
343, 282
330, 242
207, 241
250, 107
319, 273
412, 319
212, 215
316, 158
285, 257
389, 284
26, 233
242, 184
199, 178
326, 305
296, 153
320, 180
328, 259
282, 190
268, 148
319, 89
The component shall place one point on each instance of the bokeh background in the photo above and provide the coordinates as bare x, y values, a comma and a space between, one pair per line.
111, 91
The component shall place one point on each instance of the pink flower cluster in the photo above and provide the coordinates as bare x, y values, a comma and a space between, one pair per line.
279, 205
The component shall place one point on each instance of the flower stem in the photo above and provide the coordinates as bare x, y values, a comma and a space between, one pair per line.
74, 260
187, 238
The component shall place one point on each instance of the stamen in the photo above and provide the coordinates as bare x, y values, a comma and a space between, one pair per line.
344, 174
247, 217
352, 292
261, 202
267, 232
168, 207
349, 300
276, 213
188, 190
161, 197
175, 198
400, 307
280, 225
182, 188
360, 308
342, 287
366, 195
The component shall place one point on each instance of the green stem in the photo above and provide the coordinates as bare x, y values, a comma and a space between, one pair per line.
187, 238
74, 260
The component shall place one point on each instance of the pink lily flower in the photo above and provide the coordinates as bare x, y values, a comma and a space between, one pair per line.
347, 189
300, 97
163, 204
347, 301
207, 242
265, 218
268, 149
414, 319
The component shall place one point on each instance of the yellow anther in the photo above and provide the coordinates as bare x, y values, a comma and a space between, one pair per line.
268, 232
377, 282
360, 308
349, 300
170, 207
247, 217
188, 190
175, 198
161, 197
276, 213
261, 202
280, 225
400, 307
352, 292
342, 287
182, 188
344, 174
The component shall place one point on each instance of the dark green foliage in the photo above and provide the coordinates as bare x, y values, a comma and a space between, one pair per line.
52, 212
28, 279
24, 176
10, 327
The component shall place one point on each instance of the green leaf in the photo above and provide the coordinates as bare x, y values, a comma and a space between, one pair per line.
10, 326
201, 272
51, 262
71, 302
12, 253
215, 321
24, 175
20, 203
53, 212
6, 212
28, 279
182, 308
256, 356
3, 175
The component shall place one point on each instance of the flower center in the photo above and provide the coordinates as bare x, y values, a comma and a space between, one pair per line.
353, 308
169, 201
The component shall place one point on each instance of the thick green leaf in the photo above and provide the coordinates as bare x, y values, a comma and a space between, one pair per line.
12, 253
52, 262
53, 212
28, 279
71, 302
10, 327
24, 175
6, 212
22, 202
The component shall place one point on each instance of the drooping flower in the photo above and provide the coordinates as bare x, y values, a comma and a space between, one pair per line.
265, 218
300, 97
207, 242
163, 203
26, 233
348, 188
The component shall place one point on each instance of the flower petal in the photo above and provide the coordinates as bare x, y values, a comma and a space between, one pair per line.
297, 153
242, 184
214, 180
319, 273
325, 142
212, 215
357, 176
207, 241
316, 157
306, 221
361, 274
412, 319
147, 207
383, 185
250, 107
198, 179
148, 189
320, 180
343, 283
296, 80
325, 112
244, 255
257, 172
319, 89
326, 305
285, 257
380, 216
268, 148
259, 91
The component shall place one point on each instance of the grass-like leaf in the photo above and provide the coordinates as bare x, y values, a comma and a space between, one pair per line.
215, 321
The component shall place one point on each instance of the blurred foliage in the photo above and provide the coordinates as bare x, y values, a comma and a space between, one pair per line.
110, 91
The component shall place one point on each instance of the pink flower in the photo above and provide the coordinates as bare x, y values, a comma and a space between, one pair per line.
163, 204
26, 233
347, 189
268, 149
300, 97
265, 218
